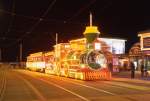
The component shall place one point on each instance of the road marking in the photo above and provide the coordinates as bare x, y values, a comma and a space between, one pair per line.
91, 87
97, 89
112, 83
125, 85
132, 80
65, 89
129, 85
124, 98
35, 90
48, 82
42, 75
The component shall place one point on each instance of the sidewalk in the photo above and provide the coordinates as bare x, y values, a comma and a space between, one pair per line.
127, 75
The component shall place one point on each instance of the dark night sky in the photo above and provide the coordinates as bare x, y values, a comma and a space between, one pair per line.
35, 22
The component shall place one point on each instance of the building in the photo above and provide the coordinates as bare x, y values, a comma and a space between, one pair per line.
145, 48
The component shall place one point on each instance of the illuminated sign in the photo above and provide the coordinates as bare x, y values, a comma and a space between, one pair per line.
117, 46
146, 42
146, 52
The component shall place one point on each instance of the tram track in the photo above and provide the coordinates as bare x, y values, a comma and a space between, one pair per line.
57, 86
76, 83
95, 86
41, 78
115, 84
108, 92
71, 87
22, 90
91, 85
39, 95
3, 84
80, 84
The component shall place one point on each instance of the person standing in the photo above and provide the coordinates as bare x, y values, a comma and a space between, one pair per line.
110, 67
132, 70
142, 69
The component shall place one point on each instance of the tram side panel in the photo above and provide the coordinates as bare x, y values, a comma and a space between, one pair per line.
35, 62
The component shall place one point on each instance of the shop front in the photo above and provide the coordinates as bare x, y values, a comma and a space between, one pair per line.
145, 48
135, 55
146, 55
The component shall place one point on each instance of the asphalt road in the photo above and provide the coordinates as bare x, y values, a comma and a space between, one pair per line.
24, 85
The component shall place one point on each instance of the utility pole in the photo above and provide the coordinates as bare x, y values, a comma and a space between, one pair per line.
56, 55
56, 45
20, 56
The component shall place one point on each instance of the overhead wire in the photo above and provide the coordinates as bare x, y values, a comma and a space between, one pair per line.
81, 10
10, 23
14, 14
39, 20
12, 17
36, 23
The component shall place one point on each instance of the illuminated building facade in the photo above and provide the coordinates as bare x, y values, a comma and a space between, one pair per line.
135, 55
145, 48
116, 46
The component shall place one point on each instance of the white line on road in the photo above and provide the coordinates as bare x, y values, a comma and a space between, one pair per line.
58, 86
131, 86
91, 87
35, 90
97, 89
44, 80
65, 89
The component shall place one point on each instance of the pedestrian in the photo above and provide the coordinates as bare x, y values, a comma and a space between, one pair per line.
142, 69
110, 66
125, 66
132, 70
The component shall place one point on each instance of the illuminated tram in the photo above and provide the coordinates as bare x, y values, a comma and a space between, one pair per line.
36, 62
83, 59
